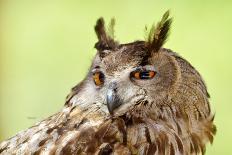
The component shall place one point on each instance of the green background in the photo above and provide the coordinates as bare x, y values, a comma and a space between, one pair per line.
46, 48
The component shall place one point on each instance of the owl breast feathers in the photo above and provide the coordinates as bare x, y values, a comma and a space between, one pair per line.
137, 98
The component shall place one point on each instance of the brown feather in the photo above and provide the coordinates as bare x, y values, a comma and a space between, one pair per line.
159, 33
105, 40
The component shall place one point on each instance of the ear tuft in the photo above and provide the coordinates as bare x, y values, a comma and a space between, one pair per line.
158, 33
105, 40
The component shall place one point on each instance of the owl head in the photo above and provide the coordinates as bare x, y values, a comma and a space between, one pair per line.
141, 78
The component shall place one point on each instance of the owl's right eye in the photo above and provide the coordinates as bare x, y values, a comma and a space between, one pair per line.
143, 74
98, 78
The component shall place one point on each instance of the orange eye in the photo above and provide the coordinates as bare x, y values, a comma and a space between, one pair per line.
98, 78
143, 74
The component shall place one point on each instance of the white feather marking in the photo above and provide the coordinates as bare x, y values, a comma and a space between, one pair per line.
69, 136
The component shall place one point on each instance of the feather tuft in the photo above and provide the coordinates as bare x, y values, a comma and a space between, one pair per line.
158, 33
105, 38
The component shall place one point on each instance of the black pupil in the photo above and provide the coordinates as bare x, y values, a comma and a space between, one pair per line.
101, 76
144, 75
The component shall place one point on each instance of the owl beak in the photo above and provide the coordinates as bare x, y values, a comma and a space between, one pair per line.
112, 98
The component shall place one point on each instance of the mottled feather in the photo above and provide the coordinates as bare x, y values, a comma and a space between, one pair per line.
165, 115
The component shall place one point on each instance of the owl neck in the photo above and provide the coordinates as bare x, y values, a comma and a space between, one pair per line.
172, 130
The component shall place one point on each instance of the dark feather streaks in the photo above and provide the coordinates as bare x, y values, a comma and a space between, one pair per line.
105, 41
156, 37
159, 33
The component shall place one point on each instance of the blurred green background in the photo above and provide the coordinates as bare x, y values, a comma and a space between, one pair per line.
46, 48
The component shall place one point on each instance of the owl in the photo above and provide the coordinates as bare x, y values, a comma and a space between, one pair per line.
137, 98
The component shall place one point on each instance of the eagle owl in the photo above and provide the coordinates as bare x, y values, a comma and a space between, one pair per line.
137, 98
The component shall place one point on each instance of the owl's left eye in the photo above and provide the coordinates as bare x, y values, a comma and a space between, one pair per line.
98, 78
143, 74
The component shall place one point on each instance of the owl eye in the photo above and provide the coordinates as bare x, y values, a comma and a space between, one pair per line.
143, 74
98, 78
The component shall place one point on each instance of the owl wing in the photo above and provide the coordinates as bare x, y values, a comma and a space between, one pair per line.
54, 134
89, 131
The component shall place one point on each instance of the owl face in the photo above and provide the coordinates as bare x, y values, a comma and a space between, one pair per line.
141, 78
128, 77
